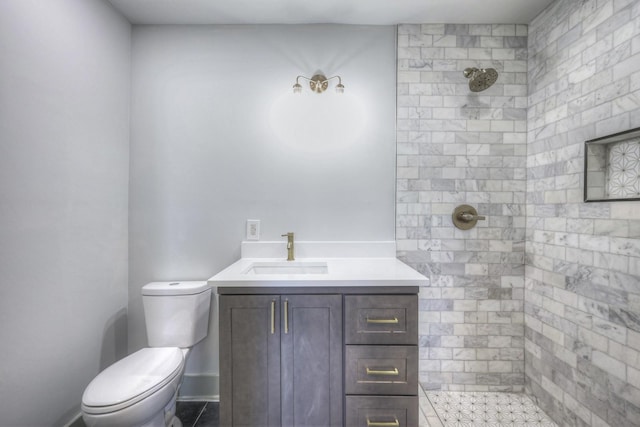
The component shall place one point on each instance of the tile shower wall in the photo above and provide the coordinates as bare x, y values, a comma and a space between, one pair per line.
457, 147
582, 310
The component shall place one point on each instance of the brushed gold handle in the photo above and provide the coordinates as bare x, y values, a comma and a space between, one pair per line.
466, 216
379, 320
394, 423
273, 317
286, 316
393, 371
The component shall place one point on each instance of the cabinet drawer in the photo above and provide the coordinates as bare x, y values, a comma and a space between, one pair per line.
371, 369
382, 411
381, 319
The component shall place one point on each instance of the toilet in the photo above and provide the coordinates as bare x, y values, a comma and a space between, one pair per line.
141, 389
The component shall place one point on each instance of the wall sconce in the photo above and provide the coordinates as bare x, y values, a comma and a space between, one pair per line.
318, 83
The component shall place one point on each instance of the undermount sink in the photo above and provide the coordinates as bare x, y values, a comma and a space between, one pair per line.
287, 267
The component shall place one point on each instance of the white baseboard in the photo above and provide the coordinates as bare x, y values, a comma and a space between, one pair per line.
200, 387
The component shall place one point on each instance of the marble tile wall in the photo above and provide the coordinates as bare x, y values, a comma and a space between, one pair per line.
582, 279
457, 147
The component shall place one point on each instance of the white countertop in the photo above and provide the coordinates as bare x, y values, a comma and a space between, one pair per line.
372, 264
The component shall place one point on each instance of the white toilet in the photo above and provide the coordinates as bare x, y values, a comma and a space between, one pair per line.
141, 389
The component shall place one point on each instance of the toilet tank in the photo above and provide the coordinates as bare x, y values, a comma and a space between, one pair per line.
176, 313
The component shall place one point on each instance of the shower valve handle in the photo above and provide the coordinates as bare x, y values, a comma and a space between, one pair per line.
465, 217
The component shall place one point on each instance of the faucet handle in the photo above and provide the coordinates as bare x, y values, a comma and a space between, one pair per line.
289, 234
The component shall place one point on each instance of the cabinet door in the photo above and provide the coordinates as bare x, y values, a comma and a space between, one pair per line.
311, 337
250, 360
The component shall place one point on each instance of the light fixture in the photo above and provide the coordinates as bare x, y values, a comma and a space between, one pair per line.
318, 83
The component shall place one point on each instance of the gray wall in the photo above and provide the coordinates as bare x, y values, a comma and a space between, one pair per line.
458, 147
582, 311
64, 159
218, 137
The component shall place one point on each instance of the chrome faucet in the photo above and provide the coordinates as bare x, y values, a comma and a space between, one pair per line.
289, 237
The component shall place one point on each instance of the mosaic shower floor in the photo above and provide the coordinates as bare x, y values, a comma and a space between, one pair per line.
480, 409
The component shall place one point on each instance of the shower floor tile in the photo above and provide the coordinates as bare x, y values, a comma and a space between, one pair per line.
482, 409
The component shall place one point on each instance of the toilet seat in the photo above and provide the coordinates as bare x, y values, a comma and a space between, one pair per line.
132, 379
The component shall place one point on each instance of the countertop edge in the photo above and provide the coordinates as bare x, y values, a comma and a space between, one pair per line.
343, 272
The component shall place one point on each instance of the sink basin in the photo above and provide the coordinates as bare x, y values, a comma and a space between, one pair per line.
287, 267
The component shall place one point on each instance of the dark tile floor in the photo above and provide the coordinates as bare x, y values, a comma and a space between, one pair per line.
198, 414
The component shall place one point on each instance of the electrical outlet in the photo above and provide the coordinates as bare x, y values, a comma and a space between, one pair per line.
253, 229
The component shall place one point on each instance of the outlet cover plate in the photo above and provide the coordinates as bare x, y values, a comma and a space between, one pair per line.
253, 229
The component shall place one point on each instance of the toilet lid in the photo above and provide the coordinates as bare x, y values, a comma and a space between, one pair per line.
134, 377
175, 288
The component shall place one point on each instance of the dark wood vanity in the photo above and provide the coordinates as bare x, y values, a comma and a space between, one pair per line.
321, 356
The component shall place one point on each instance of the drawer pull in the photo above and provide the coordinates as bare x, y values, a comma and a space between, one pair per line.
394, 423
385, 321
393, 371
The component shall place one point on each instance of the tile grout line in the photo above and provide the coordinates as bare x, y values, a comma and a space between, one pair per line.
435, 410
195, 423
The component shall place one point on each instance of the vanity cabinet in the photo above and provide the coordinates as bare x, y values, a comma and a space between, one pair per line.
281, 360
313, 356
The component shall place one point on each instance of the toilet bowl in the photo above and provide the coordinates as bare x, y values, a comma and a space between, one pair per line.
135, 390
141, 389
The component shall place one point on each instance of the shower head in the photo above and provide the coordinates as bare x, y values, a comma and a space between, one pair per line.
480, 78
